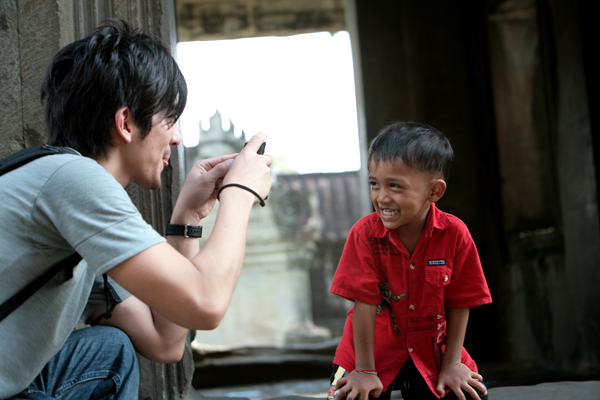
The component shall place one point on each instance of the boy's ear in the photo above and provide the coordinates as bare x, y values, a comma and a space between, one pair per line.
124, 125
437, 190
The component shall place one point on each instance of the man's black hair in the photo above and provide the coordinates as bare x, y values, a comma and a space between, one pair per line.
418, 146
90, 79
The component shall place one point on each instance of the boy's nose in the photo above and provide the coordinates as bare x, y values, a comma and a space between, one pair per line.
382, 196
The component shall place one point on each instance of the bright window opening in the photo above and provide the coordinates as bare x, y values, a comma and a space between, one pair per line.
299, 89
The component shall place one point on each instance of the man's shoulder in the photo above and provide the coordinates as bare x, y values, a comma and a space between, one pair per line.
66, 161
55, 175
45, 167
73, 171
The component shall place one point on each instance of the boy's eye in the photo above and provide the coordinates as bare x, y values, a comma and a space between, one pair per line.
372, 183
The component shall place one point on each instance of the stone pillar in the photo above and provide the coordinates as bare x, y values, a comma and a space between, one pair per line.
31, 32
577, 186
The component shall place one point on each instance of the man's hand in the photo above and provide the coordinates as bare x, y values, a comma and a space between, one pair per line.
459, 377
199, 193
250, 169
358, 386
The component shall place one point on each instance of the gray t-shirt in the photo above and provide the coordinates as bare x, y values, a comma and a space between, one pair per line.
49, 208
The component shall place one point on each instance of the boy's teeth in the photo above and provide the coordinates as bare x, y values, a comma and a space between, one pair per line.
389, 212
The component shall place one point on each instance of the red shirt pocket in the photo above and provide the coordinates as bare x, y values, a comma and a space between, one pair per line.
438, 275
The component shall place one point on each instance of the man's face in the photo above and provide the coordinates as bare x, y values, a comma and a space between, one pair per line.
150, 155
399, 194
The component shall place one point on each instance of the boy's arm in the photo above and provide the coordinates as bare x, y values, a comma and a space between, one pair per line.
454, 374
359, 385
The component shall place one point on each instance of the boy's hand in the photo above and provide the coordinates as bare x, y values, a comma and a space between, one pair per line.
459, 377
358, 386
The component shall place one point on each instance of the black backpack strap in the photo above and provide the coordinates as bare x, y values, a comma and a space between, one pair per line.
24, 156
19, 298
8, 164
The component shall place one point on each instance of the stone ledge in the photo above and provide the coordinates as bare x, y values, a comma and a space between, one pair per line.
586, 390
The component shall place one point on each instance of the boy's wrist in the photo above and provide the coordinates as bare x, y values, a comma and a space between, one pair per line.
366, 371
449, 362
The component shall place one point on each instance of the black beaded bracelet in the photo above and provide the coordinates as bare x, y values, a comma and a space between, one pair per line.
261, 200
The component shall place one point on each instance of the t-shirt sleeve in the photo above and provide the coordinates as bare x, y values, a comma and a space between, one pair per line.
357, 276
86, 209
468, 287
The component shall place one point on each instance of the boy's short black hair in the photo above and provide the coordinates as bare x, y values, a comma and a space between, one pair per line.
90, 79
418, 146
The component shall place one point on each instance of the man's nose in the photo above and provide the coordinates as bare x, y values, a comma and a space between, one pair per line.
176, 135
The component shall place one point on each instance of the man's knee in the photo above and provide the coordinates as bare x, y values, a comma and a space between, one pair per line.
112, 349
114, 346
94, 363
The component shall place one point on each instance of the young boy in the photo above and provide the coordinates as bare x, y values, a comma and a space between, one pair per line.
413, 273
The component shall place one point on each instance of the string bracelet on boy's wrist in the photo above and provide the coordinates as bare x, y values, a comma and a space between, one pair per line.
367, 371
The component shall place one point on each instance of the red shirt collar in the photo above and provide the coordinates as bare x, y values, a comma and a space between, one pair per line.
436, 219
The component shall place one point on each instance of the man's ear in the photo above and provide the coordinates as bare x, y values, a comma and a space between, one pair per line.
124, 125
437, 190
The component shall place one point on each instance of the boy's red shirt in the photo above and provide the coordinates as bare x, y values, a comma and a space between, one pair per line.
443, 272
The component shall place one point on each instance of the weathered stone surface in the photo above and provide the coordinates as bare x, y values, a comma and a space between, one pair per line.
10, 81
587, 390
524, 142
38, 42
548, 391
262, 364
230, 19
577, 182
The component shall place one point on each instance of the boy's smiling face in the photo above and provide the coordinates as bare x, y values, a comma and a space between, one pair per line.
401, 195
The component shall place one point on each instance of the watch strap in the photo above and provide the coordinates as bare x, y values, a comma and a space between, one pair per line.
183, 230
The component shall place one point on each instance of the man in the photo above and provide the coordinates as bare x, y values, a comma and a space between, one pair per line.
115, 97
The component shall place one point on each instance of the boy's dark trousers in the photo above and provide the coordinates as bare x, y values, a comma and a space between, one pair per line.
412, 386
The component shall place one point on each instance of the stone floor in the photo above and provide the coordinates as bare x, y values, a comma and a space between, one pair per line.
567, 390
301, 372
311, 388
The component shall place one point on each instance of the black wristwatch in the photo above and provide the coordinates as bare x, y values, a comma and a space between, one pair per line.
183, 230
